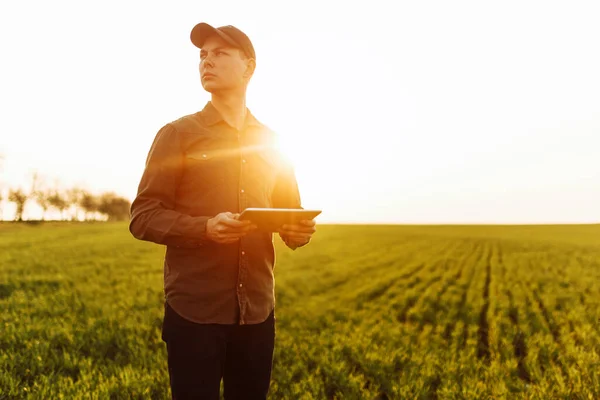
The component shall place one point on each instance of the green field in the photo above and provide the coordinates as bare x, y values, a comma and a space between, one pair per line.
363, 312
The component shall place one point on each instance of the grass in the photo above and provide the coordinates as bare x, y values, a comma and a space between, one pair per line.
363, 312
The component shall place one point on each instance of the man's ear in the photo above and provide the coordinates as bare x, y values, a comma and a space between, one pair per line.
250, 67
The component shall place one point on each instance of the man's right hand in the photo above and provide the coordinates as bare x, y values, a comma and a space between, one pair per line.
225, 228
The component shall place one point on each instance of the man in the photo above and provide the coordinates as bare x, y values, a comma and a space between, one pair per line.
201, 172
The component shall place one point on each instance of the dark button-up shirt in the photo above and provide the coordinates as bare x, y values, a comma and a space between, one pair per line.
197, 167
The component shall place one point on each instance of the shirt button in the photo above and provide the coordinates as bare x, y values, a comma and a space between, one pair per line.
240, 285
243, 252
244, 161
242, 190
203, 155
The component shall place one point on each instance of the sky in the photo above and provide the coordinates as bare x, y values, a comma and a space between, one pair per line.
392, 112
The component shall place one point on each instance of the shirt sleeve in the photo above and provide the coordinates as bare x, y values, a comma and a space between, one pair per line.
286, 194
153, 213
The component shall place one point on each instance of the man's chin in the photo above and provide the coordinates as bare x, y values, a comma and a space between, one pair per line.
213, 88
210, 88
210, 85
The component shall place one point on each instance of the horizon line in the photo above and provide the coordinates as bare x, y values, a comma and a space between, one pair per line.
363, 223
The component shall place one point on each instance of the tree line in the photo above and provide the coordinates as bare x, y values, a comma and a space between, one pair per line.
71, 203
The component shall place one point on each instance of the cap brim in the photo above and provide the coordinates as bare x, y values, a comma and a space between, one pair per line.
202, 31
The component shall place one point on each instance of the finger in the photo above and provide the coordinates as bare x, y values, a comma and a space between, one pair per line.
308, 222
241, 229
286, 232
228, 215
297, 237
298, 241
301, 226
298, 228
234, 223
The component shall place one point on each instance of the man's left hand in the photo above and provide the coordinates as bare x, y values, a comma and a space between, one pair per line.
297, 235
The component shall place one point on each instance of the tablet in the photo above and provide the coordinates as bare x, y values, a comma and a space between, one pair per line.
271, 219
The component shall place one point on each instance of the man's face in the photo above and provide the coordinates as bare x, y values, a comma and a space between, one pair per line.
223, 67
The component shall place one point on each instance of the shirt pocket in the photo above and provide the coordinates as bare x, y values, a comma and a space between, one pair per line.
205, 169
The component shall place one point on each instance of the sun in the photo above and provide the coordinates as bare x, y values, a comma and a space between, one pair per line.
291, 150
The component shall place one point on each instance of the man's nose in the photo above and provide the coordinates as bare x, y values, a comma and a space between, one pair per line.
208, 61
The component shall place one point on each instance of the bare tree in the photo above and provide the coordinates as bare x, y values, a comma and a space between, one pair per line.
1, 201
19, 197
36, 180
116, 208
59, 201
41, 197
1, 188
39, 193
89, 203
73, 198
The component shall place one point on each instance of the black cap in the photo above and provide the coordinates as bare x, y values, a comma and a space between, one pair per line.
229, 33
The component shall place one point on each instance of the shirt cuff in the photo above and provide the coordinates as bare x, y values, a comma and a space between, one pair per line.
195, 236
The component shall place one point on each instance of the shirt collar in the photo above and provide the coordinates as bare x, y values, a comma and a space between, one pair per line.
212, 117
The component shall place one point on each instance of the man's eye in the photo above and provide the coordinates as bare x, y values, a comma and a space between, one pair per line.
219, 53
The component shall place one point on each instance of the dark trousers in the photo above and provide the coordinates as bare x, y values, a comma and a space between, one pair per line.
200, 355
